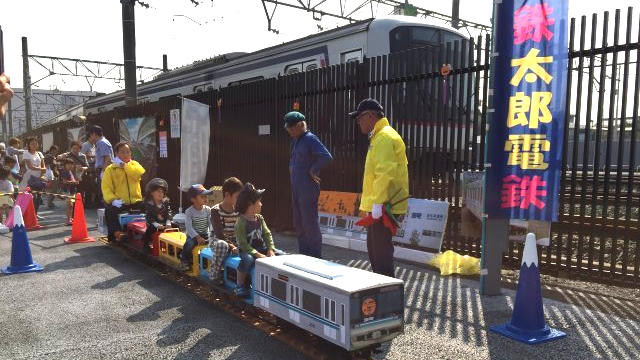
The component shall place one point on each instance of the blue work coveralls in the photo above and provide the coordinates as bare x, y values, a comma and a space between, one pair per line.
308, 155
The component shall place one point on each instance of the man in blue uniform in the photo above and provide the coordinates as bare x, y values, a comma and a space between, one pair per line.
308, 157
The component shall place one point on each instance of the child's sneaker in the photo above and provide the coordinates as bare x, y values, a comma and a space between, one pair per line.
240, 291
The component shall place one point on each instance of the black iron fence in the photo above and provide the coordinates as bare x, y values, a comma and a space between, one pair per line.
443, 122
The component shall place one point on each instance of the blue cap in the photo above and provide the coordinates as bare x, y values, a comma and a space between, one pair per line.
292, 118
366, 105
197, 189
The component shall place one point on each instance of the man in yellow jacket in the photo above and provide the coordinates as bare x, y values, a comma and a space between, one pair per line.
385, 181
121, 187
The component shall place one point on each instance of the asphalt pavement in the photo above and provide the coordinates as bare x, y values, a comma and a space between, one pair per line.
90, 302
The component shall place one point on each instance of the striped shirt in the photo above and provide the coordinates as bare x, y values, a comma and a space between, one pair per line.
198, 222
224, 223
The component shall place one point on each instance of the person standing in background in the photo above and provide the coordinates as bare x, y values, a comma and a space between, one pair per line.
308, 157
104, 154
385, 182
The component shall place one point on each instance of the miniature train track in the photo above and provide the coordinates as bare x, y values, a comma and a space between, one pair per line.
308, 344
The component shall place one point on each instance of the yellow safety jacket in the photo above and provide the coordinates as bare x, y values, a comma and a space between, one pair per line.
122, 183
386, 178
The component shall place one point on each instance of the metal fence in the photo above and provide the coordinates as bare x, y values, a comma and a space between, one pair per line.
443, 122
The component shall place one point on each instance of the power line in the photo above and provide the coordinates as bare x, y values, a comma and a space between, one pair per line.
320, 8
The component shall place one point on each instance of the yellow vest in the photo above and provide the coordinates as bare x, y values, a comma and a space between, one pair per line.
386, 178
122, 183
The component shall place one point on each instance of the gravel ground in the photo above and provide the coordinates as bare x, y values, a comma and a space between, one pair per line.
90, 302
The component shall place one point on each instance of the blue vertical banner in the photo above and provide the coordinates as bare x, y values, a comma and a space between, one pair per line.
526, 127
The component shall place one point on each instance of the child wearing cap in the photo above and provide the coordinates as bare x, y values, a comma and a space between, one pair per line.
253, 236
197, 220
223, 219
157, 209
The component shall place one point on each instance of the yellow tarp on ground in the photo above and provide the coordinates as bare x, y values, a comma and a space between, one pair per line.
450, 262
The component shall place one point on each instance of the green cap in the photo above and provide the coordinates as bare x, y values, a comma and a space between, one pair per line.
292, 118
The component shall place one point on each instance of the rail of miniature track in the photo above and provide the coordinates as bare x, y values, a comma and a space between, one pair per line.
300, 340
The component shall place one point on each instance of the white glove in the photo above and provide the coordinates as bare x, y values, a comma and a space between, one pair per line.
117, 203
118, 162
376, 211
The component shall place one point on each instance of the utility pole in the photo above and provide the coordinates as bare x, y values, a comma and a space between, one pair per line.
26, 80
129, 49
455, 14
4, 117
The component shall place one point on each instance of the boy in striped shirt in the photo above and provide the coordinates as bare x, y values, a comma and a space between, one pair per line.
223, 219
197, 220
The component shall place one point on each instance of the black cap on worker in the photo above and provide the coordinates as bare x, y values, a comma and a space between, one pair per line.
367, 105
292, 118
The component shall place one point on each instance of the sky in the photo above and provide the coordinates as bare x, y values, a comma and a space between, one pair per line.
92, 29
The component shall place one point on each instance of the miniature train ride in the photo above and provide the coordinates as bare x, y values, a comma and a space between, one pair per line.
349, 307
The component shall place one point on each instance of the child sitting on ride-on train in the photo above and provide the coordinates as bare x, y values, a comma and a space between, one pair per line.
223, 219
252, 234
197, 220
157, 210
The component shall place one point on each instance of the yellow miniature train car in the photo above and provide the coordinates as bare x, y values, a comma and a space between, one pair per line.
171, 244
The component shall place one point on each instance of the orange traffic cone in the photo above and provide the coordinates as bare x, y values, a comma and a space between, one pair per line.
29, 214
79, 232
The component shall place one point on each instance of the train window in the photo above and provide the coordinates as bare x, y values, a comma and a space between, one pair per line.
351, 56
326, 308
342, 313
390, 301
411, 37
246, 81
312, 302
422, 35
399, 39
292, 69
449, 37
294, 295
279, 289
333, 311
262, 282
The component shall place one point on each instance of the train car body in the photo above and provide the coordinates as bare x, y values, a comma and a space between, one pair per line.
349, 307
350, 43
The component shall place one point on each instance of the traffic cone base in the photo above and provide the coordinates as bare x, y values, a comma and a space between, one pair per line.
21, 260
71, 240
79, 232
527, 323
10, 270
528, 337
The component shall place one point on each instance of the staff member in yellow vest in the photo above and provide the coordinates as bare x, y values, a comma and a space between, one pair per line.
385, 181
121, 187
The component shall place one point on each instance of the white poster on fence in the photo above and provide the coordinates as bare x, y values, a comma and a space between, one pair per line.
194, 144
424, 224
47, 141
174, 122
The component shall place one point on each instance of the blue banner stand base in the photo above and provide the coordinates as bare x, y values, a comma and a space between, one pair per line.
528, 337
10, 270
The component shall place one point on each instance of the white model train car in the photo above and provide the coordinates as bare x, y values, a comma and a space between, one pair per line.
349, 307
345, 44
